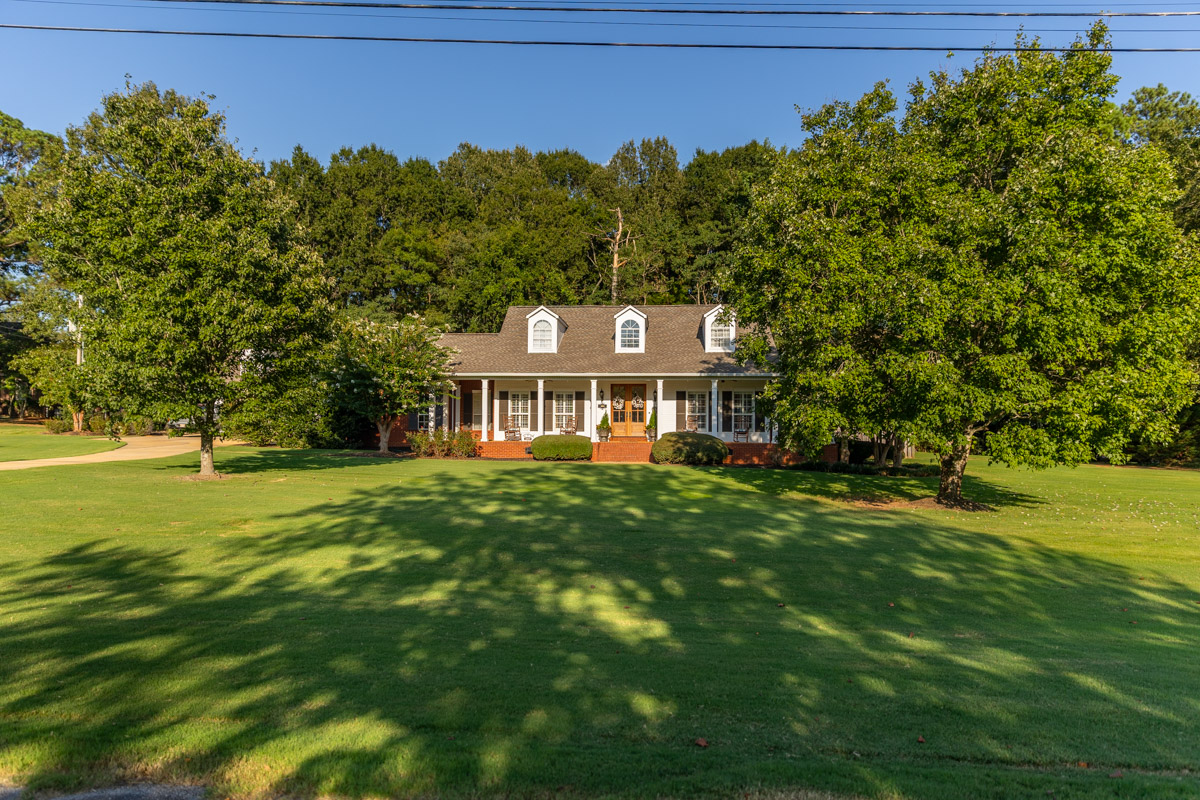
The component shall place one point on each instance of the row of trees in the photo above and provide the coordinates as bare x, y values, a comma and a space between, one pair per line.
996, 265
158, 272
1006, 263
463, 240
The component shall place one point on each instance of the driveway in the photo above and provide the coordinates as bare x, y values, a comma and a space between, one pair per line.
137, 448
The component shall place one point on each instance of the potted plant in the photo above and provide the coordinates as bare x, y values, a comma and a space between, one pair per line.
652, 426
604, 428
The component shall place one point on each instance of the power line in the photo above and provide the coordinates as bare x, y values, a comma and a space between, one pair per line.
629, 23
663, 10
554, 43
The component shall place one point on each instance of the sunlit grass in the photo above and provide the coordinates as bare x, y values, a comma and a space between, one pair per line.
361, 627
20, 442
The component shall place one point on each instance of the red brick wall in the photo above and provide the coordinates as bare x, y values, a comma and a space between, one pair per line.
502, 450
621, 452
749, 454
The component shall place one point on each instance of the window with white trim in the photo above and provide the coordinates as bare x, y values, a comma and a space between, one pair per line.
631, 335
720, 335
477, 410
543, 336
518, 409
564, 409
743, 411
697, 410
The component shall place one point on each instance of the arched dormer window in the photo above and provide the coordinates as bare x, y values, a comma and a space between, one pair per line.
631, 335
722, 335
543, 337
630, 330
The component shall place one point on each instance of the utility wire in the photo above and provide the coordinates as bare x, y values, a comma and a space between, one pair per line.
553, 43
662, 10
630, 23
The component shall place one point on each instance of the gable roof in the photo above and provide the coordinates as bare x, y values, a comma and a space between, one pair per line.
674, 346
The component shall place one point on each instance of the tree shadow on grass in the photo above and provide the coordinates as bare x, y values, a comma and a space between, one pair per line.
871, 488
531, 629
236, 460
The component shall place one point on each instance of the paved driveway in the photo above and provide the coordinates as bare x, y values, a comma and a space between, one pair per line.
136, 448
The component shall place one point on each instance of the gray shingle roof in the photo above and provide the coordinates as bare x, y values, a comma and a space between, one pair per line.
674, 346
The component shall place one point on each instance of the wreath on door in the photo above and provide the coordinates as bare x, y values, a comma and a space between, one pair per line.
618, 404
638, 403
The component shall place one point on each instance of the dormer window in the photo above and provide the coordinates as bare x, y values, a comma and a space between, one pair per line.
543, 337
719, 331
545, 330
630, 332
631, 335
722, 335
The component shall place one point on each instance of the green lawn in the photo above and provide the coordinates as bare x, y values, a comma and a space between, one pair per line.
21, 442
367, 628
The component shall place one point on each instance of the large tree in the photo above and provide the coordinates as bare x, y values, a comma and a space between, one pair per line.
193, 295
1171, 121
385, 371
992, 268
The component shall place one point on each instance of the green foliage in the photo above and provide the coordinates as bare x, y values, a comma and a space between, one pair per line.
604, 424
992, 265
52, 371
383, 371
561, 447
858, 468
193, 293
442, 443
58, 425
652, 423
1170, 121
683, 447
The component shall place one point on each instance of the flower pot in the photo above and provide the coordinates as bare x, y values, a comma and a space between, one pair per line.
603, 434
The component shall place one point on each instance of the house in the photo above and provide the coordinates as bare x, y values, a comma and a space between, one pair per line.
556, 368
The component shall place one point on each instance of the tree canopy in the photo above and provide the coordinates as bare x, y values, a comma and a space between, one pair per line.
194, 297
992, 267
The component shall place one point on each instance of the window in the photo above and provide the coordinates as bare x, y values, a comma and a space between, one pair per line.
721, 335
743, 411
518, 409
697, 410
564, 409
631, 335
423, 419
543, 337
477, 410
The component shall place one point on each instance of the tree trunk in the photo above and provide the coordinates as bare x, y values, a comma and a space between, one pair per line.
843, 444
616, 255
207, 427
950, 483
385, 426
898, 447
77, 421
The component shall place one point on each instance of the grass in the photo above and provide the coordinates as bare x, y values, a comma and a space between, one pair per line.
316, 625
19, 442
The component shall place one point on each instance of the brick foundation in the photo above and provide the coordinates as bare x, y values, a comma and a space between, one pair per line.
627, 452
741, 454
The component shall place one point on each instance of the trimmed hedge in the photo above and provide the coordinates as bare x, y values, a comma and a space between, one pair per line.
556, 447
689, 448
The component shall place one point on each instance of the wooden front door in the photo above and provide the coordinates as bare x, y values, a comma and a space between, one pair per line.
629, 409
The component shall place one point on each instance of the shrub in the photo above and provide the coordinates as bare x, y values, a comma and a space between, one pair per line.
57, 425
463, 444
908, 470
97, 423
689, 448
652, 424
139, 426
604, 424
442, 443
562, 448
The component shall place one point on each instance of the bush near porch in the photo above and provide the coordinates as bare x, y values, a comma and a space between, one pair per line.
562, 447
681, 447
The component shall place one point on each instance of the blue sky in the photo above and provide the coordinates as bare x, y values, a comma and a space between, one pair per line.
423, 99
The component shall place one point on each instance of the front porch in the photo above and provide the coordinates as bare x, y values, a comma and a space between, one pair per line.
521, 408
741, 454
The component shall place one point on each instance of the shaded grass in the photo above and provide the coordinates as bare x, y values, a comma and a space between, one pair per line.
20, 442
362, 627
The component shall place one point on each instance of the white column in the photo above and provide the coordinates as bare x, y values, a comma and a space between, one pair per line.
483, 401
594, 417
432, 411
458, 423
446, 411
542, 411
714, 414
658, 403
